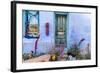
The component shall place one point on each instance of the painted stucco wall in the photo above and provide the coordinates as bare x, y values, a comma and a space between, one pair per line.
43, 46
78, 27
46, 42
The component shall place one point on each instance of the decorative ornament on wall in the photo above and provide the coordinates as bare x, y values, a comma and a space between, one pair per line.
47, 28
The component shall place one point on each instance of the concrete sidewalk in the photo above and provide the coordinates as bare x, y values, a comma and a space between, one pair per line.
43, 58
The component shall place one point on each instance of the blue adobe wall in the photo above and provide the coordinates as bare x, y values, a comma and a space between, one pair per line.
78, 27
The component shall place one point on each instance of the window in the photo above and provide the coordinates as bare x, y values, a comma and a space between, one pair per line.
31, 23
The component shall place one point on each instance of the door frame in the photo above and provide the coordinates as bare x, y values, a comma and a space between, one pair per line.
65, 14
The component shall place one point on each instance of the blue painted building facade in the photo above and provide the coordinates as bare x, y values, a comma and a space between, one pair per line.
78, 26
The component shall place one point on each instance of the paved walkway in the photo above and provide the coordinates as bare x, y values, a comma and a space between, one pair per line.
43, 58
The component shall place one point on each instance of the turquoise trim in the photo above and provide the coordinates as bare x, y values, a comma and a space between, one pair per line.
67, 31
39, 21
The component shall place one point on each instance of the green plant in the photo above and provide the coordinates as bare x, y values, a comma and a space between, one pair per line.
25, 56
75, 50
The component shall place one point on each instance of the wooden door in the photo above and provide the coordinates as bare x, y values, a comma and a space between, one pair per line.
60, 30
